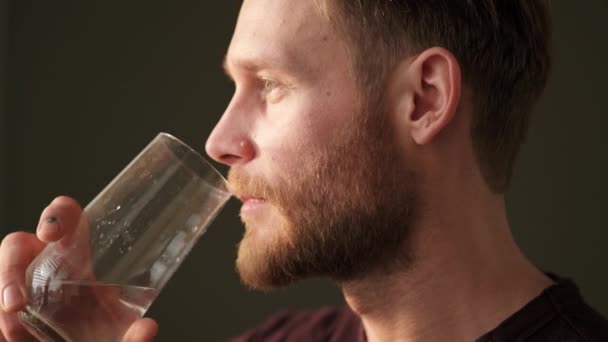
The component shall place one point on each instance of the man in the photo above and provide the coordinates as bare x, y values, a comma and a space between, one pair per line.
371, 143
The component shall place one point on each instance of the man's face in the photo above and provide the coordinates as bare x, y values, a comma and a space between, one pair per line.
325, 192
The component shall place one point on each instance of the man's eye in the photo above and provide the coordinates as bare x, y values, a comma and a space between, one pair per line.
269, 85
272, 91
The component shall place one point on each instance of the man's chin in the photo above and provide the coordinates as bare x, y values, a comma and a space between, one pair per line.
259, 255
255, 272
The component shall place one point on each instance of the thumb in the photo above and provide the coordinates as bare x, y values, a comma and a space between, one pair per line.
143, 330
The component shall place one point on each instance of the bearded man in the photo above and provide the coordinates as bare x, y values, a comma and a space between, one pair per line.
371, 143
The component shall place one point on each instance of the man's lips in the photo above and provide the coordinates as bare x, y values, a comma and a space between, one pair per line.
247, 198
251, 203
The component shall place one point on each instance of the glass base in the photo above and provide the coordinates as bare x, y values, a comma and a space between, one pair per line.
38, 327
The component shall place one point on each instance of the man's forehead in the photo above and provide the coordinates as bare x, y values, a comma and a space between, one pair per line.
278, 30
292, 8
281, 18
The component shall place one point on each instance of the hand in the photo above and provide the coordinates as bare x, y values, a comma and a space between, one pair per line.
18, 249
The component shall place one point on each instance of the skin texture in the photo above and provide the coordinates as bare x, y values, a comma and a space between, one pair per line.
455, 272
385, 199
307, 141
57, 222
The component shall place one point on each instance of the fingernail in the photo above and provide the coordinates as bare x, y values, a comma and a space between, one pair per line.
51, 225
11, 297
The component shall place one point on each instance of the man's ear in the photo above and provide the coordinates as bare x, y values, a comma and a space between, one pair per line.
434, 83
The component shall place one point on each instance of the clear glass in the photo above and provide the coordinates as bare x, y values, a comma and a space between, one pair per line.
93, 284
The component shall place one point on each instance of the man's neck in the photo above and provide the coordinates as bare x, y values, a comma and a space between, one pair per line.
467, 276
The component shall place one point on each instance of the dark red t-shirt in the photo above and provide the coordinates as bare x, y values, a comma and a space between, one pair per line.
558, 314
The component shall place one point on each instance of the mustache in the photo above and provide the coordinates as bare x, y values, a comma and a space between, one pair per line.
241, 184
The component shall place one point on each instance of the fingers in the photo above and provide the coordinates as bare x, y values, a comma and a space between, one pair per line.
143, 330
13, 330
59, 219
16, 252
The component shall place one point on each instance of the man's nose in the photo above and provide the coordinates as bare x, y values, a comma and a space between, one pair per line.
230, 142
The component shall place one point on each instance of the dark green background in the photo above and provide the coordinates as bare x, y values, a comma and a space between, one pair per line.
88, 84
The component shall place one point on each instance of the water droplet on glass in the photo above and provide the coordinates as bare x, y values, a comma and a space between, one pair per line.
193, 222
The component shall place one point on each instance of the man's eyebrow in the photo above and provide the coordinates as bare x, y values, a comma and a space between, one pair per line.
253, 65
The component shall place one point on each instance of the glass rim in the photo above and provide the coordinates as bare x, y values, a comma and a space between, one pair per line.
199, 157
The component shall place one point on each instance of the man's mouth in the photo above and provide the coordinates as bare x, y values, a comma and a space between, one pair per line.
247, 198
251, 203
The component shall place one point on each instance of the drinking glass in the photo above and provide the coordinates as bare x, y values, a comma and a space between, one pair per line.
96, 281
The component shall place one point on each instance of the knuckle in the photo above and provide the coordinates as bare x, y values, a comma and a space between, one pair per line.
15, 239
9, 273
